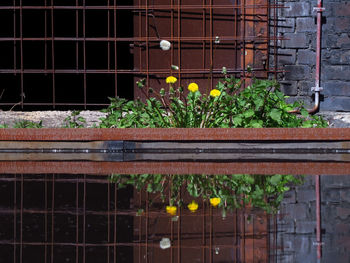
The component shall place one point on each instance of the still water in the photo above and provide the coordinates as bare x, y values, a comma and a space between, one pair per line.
58, 204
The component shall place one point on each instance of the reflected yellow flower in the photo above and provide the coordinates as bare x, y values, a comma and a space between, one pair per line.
171, 80
193, 87
171, 210
215, 201
193, 206
215, 93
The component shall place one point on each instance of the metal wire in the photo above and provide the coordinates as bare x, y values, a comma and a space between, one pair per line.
130, 50
84, 215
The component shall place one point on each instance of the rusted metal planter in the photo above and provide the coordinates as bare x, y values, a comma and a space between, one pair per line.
276, 135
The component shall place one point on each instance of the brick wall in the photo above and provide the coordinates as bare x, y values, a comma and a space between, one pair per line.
297, 221
297, 55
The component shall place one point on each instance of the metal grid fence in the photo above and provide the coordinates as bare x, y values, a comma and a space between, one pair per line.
74, 54
80, 218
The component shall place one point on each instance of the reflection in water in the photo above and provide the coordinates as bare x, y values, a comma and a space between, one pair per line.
80, 218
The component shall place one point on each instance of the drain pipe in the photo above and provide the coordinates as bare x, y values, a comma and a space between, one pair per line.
318, 218
319, 9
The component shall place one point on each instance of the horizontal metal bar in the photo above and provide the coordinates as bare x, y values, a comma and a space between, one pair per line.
176, 134
124, 71
175, 151
150, 39
107, 168
137, 7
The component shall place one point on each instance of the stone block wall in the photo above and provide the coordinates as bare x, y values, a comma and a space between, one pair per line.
297, 54
296, 223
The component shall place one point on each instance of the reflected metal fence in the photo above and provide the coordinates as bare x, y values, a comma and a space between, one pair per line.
84, 218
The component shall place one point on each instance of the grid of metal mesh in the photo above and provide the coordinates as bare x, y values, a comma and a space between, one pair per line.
71, 218
74, 54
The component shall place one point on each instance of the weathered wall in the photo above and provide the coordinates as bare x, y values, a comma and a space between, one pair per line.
297, 224
298, 53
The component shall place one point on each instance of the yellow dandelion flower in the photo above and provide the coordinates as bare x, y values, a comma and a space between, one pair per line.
215, 93
171, 80
215, 201
193, 206
171, 210
193, 87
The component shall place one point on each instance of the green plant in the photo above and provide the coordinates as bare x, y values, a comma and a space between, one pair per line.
234, 191
74, 121
261, 104
28, 124
229, 105
3, 126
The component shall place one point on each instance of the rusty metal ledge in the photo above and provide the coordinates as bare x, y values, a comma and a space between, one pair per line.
177, 134
107, 168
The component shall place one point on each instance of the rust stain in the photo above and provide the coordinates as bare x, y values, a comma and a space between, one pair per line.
173, 134
106, 168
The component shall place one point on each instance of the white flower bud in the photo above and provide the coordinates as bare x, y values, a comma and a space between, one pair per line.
165, 243
165, 45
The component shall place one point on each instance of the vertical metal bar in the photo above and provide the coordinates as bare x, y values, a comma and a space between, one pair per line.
77, 220
179, 234
108, 36
203, 232
171, 225
21, 50
77, 35
318, 217
15, 219
235, 34
172, 32
14, 39
146, 234
84, 218
147, 44
52, 218
84, 51
236, 241
53, 56
140, 228
211, 37
45, 36
46, 215
268, 13
140, 35
211, 234
275, 229
21, 222
115, 48
275, 24
108, 219
203, 34
115, 224
243, 33
179, 37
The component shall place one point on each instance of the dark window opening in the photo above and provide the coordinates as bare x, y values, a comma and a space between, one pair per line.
76, 54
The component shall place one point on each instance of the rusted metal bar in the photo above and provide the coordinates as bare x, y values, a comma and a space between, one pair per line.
318, 217
141, 7
141, 39
177, 134
103, 168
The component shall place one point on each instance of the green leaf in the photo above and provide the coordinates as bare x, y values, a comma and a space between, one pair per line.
237, 120
275, 114
275, 179
304, 113
248, 113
